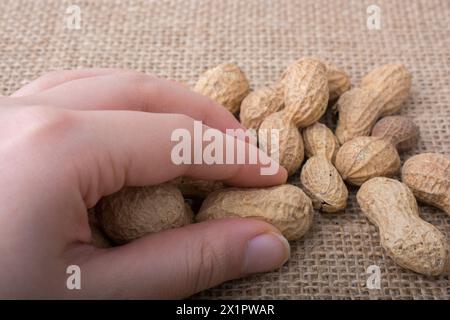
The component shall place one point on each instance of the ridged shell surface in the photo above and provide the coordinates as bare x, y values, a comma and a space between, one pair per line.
428, 176
286, 207
408, 240
323, 184
196, 188
226, 84
392, 83
306, 92
136, 211
290, 147
338, 81
258, 105
363, 158
359, 109
320, 140
401, 131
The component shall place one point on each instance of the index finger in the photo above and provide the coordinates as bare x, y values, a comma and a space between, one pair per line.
134, 91
137, 149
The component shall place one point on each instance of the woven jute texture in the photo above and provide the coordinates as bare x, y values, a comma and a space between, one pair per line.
179, 39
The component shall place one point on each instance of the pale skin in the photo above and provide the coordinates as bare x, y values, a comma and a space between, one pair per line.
71, 137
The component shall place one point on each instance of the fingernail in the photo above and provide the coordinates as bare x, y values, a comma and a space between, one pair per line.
266, 252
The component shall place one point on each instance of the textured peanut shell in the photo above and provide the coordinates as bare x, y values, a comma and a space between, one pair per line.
226, 84
428, 176
323, 184
363, 158
196, 188
286, 207
338, 81
392, 83
257, 105
134, 212
306, 92
320, 140
408, 240
402, 132
359, 109
290, 147
98, 237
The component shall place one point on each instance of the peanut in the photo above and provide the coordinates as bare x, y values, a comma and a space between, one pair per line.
338, 81
226, 84
136, 211
306, 92
286, 207
363, 158
428, 176
392, 83
98, 238
196, 188
258, 105
320, 179
323, 184
382, 93
408, 240
319, 139
305, 99
290, 148
399, 130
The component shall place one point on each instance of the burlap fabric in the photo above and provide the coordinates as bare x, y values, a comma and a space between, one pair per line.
179, 39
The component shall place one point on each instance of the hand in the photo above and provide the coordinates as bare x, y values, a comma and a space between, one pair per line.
71, 137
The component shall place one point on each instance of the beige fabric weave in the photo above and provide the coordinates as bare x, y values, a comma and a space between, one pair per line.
180, 38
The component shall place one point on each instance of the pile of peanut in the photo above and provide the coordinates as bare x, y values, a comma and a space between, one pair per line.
363, 151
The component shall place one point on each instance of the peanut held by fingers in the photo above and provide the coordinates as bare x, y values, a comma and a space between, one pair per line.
196, 188
286, 207
136, 211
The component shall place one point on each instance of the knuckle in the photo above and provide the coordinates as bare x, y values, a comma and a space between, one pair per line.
43, 123
148, 87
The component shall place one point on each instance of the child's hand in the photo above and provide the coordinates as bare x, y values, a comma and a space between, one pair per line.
71, 137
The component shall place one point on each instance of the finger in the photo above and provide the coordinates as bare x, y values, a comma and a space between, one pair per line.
135, 91
55, 78
180, 262
136, 149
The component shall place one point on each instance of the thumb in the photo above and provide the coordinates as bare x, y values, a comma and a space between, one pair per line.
180, 262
